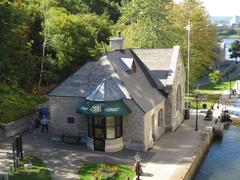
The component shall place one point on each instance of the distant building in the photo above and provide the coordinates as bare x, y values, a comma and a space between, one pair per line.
235, 20
221, 53
126, 99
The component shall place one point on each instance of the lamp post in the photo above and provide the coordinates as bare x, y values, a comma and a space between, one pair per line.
137, 165
188, 60
197, 98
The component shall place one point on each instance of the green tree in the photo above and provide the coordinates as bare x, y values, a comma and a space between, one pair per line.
16, 60
203, 36
145, 24
235, 50
162, 24
215, 77
74, 38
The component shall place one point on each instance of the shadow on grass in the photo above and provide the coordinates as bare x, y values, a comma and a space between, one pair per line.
39, 171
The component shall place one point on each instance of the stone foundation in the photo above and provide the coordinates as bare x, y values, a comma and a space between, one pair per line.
111, 145
114, 145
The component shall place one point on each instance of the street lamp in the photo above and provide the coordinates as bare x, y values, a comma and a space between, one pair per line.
197, 98
137, 165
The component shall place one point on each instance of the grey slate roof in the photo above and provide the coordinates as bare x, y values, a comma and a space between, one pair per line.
85, 80
110, 89
157, 61
93, 79
136, 83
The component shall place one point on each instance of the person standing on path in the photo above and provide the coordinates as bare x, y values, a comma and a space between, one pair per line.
44, 123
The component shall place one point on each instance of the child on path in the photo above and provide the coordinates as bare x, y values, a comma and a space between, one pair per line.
44, 123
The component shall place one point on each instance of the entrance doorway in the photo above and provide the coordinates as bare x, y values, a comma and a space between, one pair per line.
102, 128
99, 133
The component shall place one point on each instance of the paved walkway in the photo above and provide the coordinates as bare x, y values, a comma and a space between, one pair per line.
168, 159
64, 159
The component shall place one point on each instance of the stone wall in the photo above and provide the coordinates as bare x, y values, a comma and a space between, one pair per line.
179, 80
133, 127
16, 127
174, 117
152, 131
168, 112
114, 145
188, 166
137, 126
60, 109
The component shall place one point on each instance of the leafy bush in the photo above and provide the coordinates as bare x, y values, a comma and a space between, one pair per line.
106, 171
215, 77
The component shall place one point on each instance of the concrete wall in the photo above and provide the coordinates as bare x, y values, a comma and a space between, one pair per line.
60, 109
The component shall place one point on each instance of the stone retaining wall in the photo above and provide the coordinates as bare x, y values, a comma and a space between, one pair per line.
197, 159
189, 166
15, 127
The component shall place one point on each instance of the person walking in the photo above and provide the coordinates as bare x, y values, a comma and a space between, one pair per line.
44, 123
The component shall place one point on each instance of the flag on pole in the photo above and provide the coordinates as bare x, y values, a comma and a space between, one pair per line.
188, 26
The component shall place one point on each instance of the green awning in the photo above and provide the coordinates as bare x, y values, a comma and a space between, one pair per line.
107, 108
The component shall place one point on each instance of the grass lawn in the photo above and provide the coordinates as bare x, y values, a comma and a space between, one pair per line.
88, 170
16, 103
229, 37
211, 92
39, 171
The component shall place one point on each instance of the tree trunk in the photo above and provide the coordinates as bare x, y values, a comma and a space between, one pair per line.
45, 37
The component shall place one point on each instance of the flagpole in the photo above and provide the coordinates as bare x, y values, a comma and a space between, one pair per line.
188, 63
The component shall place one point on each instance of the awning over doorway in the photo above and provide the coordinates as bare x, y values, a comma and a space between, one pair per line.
107, 108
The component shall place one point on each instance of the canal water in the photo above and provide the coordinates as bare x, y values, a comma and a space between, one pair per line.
223, 159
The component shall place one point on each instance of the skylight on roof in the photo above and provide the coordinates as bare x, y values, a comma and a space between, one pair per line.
128, 65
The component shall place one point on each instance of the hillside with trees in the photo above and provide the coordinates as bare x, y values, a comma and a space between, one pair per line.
44, 41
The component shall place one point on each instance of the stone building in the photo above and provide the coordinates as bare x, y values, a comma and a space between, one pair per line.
126, 99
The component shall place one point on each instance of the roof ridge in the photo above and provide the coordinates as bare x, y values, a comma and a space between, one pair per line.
147, 74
